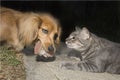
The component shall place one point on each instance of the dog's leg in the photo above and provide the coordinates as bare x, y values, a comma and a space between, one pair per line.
15, 44
13, 40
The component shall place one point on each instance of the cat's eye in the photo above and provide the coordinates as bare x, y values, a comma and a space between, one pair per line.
45, 31
73, 37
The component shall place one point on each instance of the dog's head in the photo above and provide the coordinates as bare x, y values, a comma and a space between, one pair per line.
48, 35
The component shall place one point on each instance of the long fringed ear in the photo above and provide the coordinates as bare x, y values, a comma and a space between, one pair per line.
40, 22
85, 33
28, 28
36, 25
59, 35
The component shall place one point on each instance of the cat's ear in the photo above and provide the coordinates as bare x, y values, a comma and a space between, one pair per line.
85, 33
77, 28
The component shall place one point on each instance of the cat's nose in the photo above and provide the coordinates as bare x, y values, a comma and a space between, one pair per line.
66, 42
66, 39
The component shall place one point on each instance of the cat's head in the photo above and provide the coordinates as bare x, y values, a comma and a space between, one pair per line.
80, 39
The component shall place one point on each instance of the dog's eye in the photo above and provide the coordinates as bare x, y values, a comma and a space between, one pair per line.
45, 31
55, 36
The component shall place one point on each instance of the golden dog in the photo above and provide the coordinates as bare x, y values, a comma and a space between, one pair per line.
20, 29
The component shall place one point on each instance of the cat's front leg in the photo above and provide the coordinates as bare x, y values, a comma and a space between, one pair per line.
82, 66
70, 66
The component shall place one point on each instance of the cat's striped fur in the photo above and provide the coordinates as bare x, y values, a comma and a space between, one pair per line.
97, 54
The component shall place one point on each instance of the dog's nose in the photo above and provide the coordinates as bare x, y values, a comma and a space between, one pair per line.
50, 48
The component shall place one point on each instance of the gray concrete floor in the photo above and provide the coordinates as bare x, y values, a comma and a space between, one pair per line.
52, 71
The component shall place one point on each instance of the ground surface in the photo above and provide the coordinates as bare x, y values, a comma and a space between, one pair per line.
11, 65
44, 70
52, 71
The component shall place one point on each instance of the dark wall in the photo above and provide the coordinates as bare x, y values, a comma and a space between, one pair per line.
100, 17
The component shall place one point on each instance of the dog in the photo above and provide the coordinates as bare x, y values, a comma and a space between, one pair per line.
19, 29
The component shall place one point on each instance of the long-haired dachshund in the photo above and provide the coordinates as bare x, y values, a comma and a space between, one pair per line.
20, 29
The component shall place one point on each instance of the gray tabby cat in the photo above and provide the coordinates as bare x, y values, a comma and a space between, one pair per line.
97, 54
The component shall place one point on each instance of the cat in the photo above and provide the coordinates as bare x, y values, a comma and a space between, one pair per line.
96, 54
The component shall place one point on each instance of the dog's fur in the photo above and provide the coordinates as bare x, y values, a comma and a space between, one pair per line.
20, 29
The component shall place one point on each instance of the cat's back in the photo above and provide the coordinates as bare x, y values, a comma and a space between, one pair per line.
108, 43
110, 47
107, 47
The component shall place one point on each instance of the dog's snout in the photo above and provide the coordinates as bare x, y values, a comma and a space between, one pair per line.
50, 48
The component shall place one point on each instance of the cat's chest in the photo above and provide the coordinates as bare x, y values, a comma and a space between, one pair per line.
88, 55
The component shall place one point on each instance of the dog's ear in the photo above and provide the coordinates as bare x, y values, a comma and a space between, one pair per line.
37, 21
40, 22
29, 26
59, 35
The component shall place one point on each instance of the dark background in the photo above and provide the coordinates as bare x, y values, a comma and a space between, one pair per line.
100, 17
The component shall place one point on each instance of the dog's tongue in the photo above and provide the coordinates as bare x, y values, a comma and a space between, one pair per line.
37, 47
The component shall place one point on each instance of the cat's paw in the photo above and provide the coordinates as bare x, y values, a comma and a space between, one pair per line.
69, 66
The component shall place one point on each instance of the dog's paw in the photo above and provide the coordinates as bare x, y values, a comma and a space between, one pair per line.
18, 48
